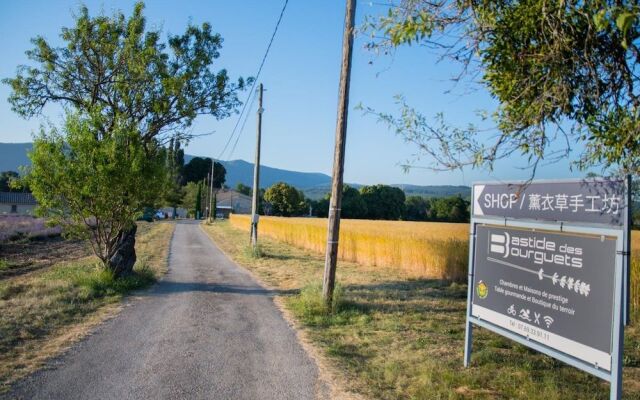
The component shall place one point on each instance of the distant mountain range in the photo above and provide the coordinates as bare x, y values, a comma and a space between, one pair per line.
240, 171
12, 155
314, 184
319, 191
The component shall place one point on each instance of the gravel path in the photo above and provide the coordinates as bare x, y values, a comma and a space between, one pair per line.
206, 331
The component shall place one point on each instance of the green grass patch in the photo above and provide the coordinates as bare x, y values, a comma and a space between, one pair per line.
253, 252
390, 337
94, 282
63, 295
310, 306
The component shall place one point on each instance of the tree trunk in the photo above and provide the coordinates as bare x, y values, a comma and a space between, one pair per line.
122, 262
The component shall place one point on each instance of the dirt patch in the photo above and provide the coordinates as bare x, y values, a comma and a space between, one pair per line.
28, 255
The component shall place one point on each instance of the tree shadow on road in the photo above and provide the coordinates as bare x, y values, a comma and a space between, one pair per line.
168, 288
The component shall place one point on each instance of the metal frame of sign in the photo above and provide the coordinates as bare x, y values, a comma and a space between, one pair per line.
621, 288
627, 254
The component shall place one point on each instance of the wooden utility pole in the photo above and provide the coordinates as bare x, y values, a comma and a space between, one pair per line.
206, 196
212, 212
203, 201
256, 175
333, 231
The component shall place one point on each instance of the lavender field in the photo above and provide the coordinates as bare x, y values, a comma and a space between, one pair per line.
16, 227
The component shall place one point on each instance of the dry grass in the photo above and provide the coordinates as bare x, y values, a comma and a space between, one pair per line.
152, 245
419, 249
43, 312
398, 338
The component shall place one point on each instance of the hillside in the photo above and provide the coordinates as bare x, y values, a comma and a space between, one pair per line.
13, 155
318, 192
315, 185
240, 171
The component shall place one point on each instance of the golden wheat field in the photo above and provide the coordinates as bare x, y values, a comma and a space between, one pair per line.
421, 249
435, 250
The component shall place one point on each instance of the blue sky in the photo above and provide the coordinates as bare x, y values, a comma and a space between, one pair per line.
301, 81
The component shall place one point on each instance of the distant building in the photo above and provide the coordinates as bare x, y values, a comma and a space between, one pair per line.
180, 212
228, 201
222, 212
17, 203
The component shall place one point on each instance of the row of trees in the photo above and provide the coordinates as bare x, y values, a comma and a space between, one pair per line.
380, 202
187, 184
390, 203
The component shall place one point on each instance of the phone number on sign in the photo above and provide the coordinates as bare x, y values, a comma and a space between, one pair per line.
529, 331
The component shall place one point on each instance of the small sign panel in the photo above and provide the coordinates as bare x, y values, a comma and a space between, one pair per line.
599, 201
554, 288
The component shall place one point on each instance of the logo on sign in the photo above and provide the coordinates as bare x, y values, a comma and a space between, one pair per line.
543, 251
482, 289
500, 244
539, 249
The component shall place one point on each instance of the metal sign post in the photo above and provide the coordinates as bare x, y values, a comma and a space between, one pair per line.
548, 269
627, 255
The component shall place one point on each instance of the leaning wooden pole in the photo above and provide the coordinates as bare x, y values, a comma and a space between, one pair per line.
256, 175
333, 231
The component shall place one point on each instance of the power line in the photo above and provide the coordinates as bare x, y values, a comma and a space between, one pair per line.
246, 116
264, 59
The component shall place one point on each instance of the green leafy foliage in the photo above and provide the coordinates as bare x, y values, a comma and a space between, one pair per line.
564, 73
244, 189
94, 187
383, 202
450, 209
198, 208
416, 208
8, 181
198, 169
190, 196
174, 162
285, 200
118, 66
124, 93
353, 205
386, 202
320, 208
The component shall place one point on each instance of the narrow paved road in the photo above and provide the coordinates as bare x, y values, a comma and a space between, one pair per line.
206, 331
